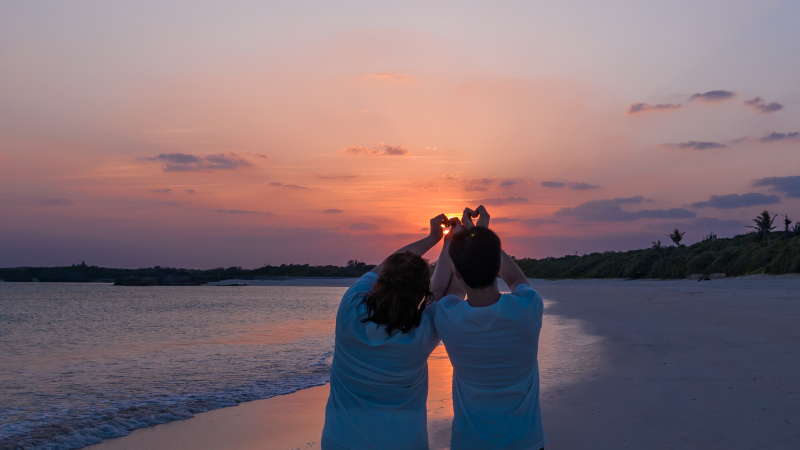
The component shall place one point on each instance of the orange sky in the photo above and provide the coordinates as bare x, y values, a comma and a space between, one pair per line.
308, 138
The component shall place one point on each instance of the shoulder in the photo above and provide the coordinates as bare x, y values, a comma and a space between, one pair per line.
526, 296
362, 286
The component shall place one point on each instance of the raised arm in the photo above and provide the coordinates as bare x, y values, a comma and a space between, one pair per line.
443, 281
421, 246
510, 272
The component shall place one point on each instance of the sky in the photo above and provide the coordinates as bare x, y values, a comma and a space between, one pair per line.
204, 134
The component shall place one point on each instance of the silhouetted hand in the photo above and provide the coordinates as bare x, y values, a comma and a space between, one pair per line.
436, 226
466, 218
483, 217
455, 227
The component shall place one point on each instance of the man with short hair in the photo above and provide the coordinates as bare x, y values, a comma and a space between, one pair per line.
492, 340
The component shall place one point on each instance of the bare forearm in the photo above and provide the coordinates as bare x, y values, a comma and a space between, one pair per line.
510, 271
441, 278
419, 247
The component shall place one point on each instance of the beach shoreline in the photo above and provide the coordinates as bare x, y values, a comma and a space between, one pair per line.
624, 364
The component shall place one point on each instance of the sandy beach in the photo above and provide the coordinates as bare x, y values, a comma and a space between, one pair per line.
624, 365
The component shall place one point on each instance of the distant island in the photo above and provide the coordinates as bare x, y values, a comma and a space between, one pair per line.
174, 276
762, 251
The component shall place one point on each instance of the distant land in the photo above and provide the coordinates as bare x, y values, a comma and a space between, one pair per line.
746, 254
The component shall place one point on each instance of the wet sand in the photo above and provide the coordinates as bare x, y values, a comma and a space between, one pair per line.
624, 365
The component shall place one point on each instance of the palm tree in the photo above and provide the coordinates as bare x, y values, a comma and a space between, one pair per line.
786, 223
677, 236
764, 224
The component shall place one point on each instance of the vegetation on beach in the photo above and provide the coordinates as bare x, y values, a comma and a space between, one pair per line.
86, 273
773, 253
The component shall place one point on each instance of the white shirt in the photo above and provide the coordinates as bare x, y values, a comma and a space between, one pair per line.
379, 383
495, 370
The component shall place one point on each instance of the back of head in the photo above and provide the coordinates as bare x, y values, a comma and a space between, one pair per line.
476, 256
401, 293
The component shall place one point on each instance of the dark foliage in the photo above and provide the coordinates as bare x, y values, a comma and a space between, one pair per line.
84, 273
741, 255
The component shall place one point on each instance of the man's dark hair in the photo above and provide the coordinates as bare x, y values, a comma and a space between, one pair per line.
476, 256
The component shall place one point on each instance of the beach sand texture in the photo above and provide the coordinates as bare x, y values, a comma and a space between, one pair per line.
624, 365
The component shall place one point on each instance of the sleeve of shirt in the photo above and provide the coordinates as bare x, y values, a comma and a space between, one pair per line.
356, 292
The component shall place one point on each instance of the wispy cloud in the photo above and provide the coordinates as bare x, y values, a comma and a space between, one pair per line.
713, 96
788, 185
190, 191
379, 150
583, 186
498, 201
56, 202
288, 186
363, 226
161, 191
611, 211
333, 211
642, 107
182, 162
576, 186
241, 211
762, 106
774, 137
731, 201
696, 145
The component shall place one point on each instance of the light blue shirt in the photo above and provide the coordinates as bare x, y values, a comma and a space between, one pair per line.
495, 370
379, 383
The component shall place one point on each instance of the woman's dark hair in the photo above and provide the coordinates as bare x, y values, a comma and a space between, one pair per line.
401, 293
476, 256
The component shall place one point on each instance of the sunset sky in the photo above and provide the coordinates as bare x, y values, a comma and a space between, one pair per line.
202, 134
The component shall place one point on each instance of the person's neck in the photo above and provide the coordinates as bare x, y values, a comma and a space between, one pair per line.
479, 298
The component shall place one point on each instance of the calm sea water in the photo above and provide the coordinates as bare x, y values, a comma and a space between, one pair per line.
84, 362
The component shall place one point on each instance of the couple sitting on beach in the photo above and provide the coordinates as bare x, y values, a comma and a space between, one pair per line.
392, 318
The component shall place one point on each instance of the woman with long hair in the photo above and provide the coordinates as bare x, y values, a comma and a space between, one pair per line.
379, 374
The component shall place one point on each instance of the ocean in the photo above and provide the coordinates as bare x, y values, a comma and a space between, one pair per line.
85, 362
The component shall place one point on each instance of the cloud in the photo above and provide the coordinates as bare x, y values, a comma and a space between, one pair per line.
471, 184
641, 107
535, 223
508, 183
602, 210
583, 186
498, 201
289, 186
788, 185
161, 191
674, 213
363, 226
333, 211
181, 162
731, 201
241, 211
697, 145
190, 191
772, 137
574, 185
503, 220
762, 106
345, 176
713, 96
379, 150
56, 202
